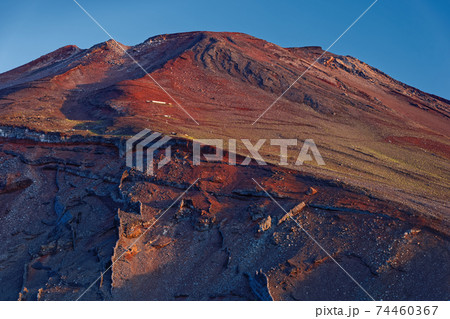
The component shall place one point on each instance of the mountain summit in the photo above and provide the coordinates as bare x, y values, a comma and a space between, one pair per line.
225, 81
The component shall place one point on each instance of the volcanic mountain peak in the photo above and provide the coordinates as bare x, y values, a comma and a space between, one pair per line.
230, 37
238, 54
380, 203
43, 62
58, 55
226, 80
235, 56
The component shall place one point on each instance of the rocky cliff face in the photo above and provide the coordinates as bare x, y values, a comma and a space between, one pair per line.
71, 210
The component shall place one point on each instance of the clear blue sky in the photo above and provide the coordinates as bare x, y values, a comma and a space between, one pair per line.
407, 39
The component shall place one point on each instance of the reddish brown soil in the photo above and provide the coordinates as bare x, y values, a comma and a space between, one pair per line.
426, 144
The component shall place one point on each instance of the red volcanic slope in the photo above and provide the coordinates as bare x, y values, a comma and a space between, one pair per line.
70, 207
373, 131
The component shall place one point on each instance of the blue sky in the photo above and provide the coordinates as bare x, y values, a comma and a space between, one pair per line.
407, 39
